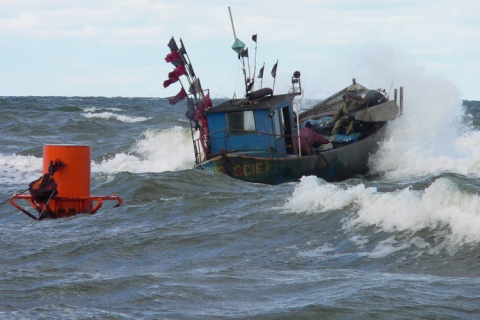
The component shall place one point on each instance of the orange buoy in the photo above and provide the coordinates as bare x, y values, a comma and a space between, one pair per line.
73, 176
64, 188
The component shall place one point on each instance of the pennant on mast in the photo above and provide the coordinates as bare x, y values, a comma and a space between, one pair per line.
197, 105
178, 97
260, 73
244, 53
179, 58
274, 70
172, 45
274, 75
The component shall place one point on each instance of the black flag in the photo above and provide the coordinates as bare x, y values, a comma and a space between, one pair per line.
260, 73
190, 70
254, 38
244, 53
172, 45
182, 47
274, 70
250, 86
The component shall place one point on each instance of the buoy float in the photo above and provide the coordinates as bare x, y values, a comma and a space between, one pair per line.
64, 188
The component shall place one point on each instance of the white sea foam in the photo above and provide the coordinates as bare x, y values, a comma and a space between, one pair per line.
441, 207
97, 109
314, 195
111, 115
321, 251
151, 153
429, 138
20, 169
386, 247
155, 151
90, 109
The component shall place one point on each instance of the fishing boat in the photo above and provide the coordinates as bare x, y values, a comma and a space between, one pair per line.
257, 138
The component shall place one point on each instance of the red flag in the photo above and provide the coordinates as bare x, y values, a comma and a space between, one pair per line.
172, 56
179, 97
207, 101
167, 82
179, 70
172, 76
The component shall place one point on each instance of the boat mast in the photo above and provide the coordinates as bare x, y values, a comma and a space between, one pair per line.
233, 27
238, 47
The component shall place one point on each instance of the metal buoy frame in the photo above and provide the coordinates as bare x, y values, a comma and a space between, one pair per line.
64, 188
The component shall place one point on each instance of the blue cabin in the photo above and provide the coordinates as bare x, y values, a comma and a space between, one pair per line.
263, 127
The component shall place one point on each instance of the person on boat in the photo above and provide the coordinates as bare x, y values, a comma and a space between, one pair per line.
310, 139
342, 117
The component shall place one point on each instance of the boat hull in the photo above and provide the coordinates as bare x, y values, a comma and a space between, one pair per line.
333, 165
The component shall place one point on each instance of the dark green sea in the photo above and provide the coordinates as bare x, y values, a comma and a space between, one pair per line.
402, 242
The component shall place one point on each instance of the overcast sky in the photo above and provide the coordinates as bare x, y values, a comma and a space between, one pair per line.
117, 47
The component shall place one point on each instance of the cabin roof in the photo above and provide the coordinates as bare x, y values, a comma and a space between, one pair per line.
269, 102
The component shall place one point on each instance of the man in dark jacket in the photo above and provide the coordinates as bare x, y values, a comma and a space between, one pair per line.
309, 138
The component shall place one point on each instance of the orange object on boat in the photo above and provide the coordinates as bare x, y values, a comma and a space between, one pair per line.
64, 188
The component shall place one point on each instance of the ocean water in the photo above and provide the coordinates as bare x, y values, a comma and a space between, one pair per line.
402, 242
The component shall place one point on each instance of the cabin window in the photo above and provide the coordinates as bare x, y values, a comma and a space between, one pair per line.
240, 122
278, 125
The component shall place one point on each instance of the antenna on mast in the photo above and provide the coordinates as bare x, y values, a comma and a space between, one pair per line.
233, 27
254, 38
239, 47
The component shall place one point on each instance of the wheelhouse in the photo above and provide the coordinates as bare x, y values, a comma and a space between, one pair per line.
262, 127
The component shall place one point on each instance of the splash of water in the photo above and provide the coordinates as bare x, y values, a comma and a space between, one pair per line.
156, 151
116, 116
18, 168
442, 207
431, 137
